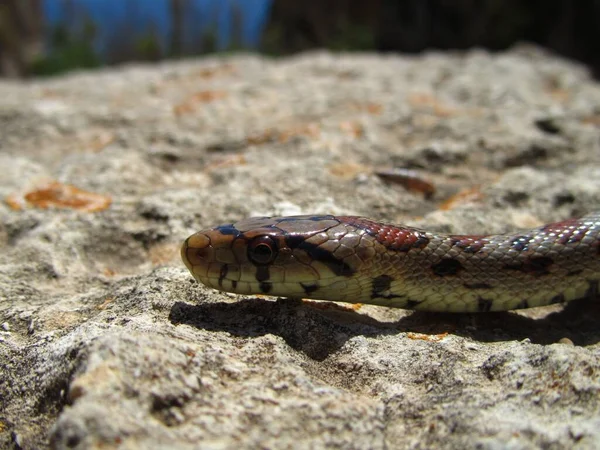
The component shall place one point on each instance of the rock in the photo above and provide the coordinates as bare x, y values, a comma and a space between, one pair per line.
106, 341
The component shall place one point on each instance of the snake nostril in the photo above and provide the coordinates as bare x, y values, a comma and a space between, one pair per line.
197, 249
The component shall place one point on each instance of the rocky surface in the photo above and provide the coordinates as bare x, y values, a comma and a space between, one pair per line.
106, 341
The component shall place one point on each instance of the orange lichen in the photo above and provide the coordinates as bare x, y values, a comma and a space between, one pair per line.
426, 337
211, 72
109, 272
554, 88
189, 105
227, 161
370, 107
430, 103
353, 128
13, 202
107, 301
58, 195
409, 179
472, 194
347, 171
261, 138
309, 130
591, 120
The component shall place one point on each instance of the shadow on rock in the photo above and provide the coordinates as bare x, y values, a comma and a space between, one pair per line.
319, 329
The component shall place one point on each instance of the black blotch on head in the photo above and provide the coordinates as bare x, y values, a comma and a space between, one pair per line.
478, 286
294, 240
520, 243
223, 274
484, 304
381, 283
262, 273
338, 267
447, 267
265, 287
228, 230
309, 288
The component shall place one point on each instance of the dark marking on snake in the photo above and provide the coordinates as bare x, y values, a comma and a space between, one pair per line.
523, 304
572, 273
228, 230
294, 240
468, 244
262, 273
338, 267
223, 274
537, 266
265, 287
381, 283
520, 243
592, 292
447, 267
560, 298
484, 304
478, 286
420, 242
309, 288
234, 284
411, 304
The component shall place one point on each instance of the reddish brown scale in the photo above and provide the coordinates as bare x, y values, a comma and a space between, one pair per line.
393, 237
567, 230
468, 243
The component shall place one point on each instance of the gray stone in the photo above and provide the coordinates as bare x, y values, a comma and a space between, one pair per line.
107, 341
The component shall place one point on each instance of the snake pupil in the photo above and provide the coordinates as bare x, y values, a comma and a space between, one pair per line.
262, 250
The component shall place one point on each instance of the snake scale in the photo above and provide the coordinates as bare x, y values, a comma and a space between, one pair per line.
359, 260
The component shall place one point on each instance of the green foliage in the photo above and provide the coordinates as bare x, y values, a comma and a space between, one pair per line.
208, 41
272, 39
352, 37
147, 47
69, 50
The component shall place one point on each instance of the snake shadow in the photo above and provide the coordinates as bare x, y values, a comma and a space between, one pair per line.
320, 329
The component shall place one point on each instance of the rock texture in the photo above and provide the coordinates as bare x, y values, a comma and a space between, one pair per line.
106, 341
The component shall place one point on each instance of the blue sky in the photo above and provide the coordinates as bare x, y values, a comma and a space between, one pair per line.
141, 14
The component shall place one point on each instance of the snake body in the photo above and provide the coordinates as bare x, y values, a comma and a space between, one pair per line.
359, 260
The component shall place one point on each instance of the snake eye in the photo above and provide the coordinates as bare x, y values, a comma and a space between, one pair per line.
262, 250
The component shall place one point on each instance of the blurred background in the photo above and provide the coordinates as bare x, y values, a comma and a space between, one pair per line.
47, 37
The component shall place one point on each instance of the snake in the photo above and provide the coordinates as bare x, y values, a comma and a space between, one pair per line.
354, 259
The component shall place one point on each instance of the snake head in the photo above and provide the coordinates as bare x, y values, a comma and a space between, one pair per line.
297, 256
